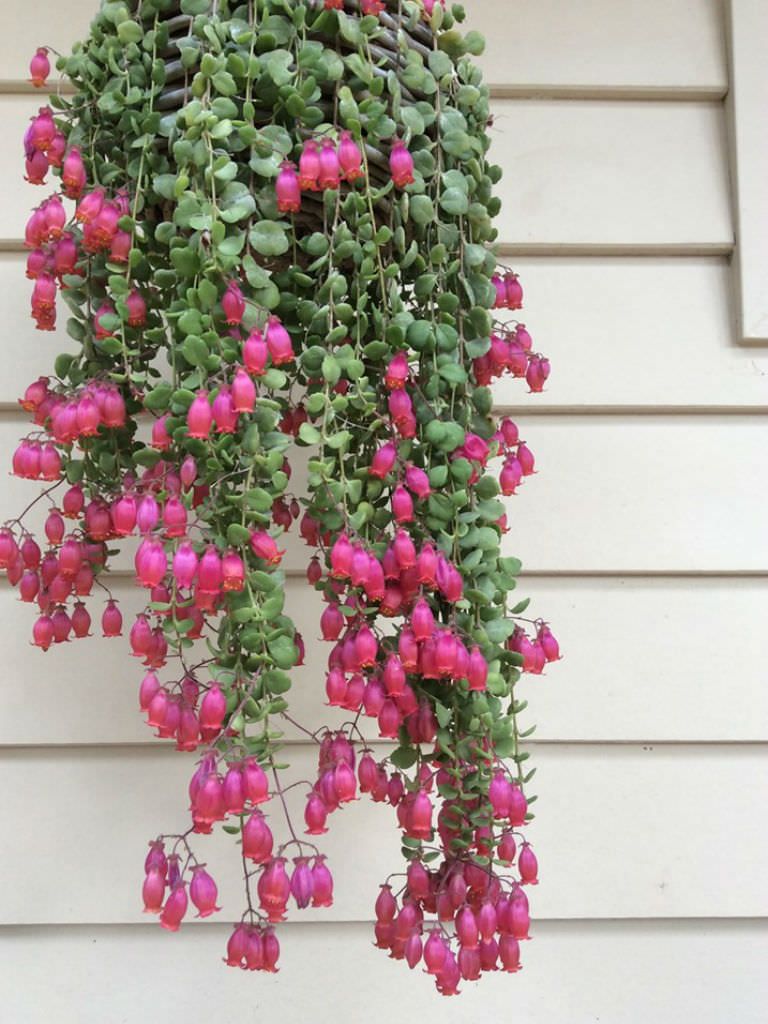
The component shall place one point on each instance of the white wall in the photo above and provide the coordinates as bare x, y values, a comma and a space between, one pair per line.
643, 538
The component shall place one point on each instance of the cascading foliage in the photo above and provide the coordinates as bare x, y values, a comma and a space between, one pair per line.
271, 228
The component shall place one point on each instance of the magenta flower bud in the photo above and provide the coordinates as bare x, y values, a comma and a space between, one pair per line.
510, 476
519, 917
232, 572
393, 676
405, 550
366, 647
140, 637
264, 546
383, 460
137, 309
243, 392
160, 436
323, 883
386, 905
73, 176
150, 686
422, 620
111, 620
518, 807
467, 930
43, 633
418, 880
336, 688
537, 373
153, 891
29, 586
234, 790
200, 416
213, 708
184, 565
477, 670
342, 554
373, 700
350, 157
509, 954
236, 946
469, 963
507, 848
39, 68
528, 866
288, 189
203, 892
330, 171
278, 342
344, 783
435, 953
549, 644
209, 572
500, 795
147, 514
413, 949
420, 817
61, 626
257, 838
175, 908
402, 506
54, 527
315, 815
302, 883
274, 889
255, 782
223, 411
397, 372
254, 950
174, 518
514, 291
401, 164
255, 354
332, 622
271, 948
417, 481
233, 304
309, 166
389, 719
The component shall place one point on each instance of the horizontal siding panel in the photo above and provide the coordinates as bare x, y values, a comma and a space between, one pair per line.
578, 173
559, 981
613, 46
589, 173
643, 494
638, 333
640, 666
599, 806
648, 494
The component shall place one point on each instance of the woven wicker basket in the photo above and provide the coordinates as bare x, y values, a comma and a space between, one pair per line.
385, 52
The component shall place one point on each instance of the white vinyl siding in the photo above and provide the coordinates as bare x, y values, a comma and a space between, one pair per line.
643, 539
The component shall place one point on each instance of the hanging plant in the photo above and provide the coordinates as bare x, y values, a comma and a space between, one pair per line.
272, 231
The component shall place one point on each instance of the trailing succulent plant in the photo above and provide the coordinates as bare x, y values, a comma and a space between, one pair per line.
273, 232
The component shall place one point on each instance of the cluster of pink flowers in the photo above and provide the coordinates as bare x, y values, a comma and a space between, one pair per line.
324, 164
55, 247
68, 418
510, 350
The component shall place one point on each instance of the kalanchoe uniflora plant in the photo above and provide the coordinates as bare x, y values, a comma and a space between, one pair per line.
271, 223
